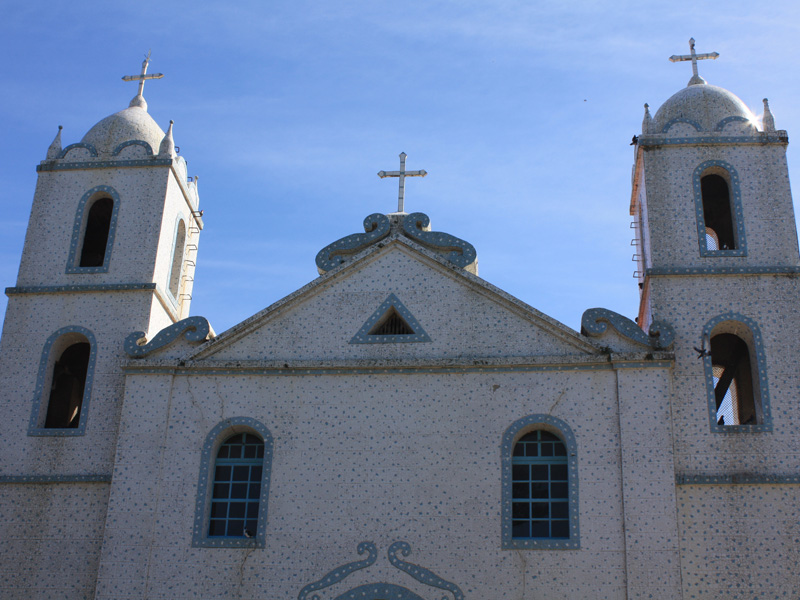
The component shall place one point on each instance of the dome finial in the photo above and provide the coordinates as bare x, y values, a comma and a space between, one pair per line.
167, 147
647, 120
55, 147
767, 121
138, 99
694, 57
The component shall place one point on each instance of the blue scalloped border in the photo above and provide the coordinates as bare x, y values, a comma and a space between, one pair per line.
514, 432
147, 147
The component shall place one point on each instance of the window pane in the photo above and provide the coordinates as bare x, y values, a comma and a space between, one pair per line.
241, 473
252, 510
236, 510
239, 491
221, 490
222, 474
560, 510
547, 449
540, 529
560, 529
539, 489
519, 472
558, 490
216, 527
255, 491
539, 473
520, 490
558, 472
236, 528
219, 510
540, 510
560, 449
520, 529
521, 510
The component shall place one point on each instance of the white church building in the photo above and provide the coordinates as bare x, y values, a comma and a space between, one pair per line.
399, 428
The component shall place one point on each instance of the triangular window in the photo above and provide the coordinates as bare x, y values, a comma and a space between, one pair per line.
391, 322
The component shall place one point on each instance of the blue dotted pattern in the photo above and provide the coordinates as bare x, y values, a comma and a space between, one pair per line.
759, 138
103, 164
721, 271
363, 337
517, 429
208, 456
339, 573
419, 573
737, 479
595, 322
459, 252
672, 122
736, 209
92, 150
89, 478
195, 329
78, 229
761, 367
376, 226
58, 289
37, 412
379, 591
733, 119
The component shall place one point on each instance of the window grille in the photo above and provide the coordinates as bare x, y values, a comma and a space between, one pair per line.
237, 487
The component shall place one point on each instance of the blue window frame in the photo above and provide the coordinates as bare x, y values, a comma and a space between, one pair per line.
539, 487
233, 486
539, 478
236, 491
101, 230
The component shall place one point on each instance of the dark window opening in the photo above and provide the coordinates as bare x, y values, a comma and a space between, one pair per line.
95, 238
66, 390
717, 213
394, 324
236, 487
733, 380
539, 487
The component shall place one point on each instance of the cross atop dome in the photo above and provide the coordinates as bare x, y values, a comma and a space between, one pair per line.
138, 99
694, 57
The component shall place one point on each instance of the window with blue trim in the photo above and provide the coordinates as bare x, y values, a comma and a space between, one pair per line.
539, 487
236, 491
178, 251
95, 236
718, 207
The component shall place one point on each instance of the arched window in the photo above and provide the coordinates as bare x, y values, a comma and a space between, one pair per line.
64, 383
735, 372
236, 490
540, 484
93, 231
95, 237
67, 386
178, 251
233, 489
718, 205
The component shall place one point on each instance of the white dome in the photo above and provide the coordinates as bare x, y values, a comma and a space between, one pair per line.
706, 105
133, 123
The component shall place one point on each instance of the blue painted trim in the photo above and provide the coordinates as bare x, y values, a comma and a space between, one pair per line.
39, 409
668, 125
58, 289
104, 164
517, 429
734, 119
721, 271
195, 329
606, 365
79, 230
92, 150
737, 479
760, 380
169, 293
148, 148
759, 139
380, 591
595, 322
363, 336
737, 212
89, 478
339, 573
376, 226
208, 457
459, 252
419, 573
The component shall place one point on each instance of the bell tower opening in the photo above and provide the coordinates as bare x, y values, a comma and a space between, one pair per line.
717, 213
95, 238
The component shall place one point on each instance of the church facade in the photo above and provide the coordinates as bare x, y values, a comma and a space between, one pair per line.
399, 428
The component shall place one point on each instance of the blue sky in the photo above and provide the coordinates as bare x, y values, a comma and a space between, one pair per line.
520, 111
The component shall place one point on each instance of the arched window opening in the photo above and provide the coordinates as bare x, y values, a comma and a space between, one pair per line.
67, 387
177, 260
733, 380
95, 237
236, 490
717, 213
539, 487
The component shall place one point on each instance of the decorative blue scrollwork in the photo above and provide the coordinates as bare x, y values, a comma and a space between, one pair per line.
92, 150
195, 329
421, 574
461, 253
377, 227
340, 573
595, 322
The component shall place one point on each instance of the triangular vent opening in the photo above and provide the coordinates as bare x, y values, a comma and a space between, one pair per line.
392, 324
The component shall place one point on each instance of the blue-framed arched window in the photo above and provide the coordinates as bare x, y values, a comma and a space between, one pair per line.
735, 369
233, 489
540, 484
718, 209
177, 259
93, 231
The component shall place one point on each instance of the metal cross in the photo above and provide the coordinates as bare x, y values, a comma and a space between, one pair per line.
694, 57
402, 174
142, 77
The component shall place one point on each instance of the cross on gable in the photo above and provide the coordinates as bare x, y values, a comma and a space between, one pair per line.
694, 57
138, 100
402, 174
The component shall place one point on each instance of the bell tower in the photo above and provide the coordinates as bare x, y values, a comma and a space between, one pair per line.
110, 248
